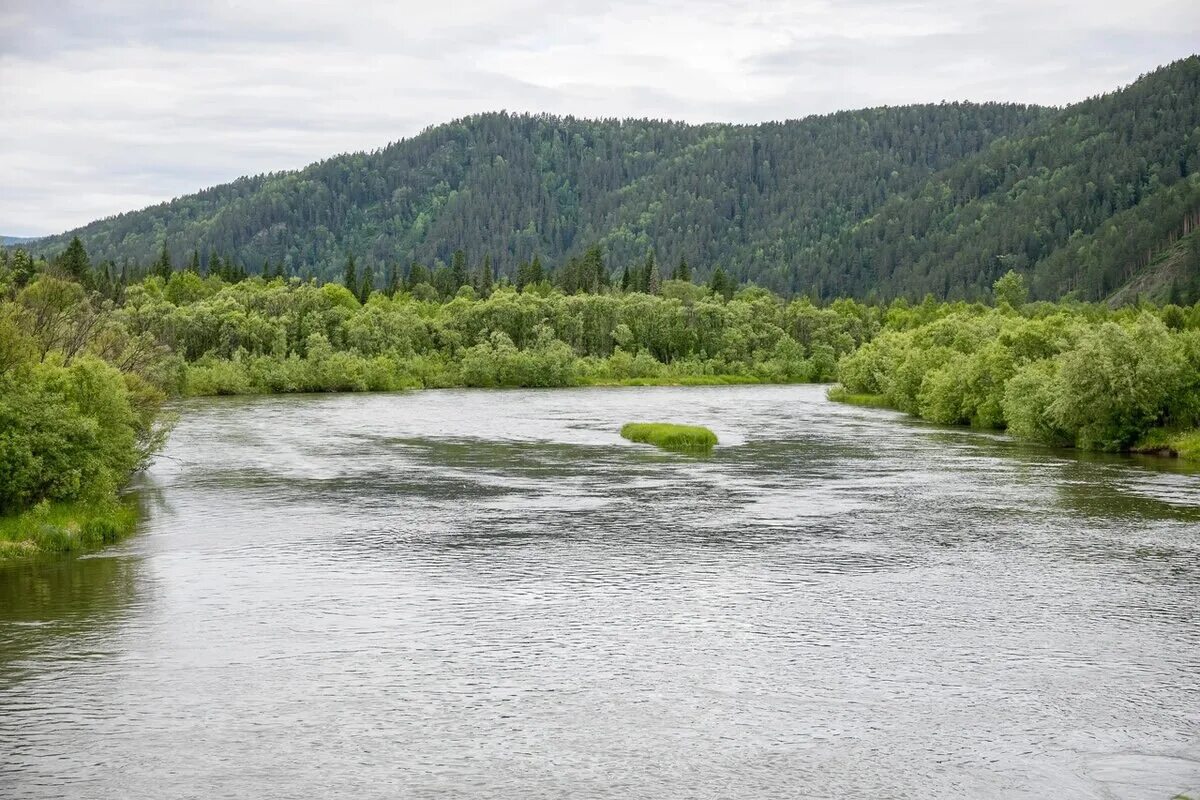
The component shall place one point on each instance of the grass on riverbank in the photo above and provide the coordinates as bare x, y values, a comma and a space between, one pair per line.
670, 436
1184, 445
678, 380
838, 394
55, 528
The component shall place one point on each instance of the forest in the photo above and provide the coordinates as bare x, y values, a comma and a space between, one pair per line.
872, 204
87, 361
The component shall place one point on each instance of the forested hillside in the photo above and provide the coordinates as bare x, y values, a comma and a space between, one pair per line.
881, 202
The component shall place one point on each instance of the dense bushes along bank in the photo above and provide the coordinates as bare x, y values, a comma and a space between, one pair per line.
85, 366
1066, 375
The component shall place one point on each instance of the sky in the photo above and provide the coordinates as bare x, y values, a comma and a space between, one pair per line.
113, 105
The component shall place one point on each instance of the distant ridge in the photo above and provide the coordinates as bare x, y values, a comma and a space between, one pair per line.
880, 202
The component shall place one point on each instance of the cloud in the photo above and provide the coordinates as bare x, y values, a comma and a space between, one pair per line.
113, 105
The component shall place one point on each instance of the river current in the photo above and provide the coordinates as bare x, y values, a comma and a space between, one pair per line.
490, 594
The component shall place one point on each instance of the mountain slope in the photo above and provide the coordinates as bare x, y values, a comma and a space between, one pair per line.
889, 201
515, 186
1080, 200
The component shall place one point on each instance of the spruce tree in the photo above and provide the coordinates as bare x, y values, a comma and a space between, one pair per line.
163, 267
350, 276
194, 264
654, 281
625, 279
486, 278
720, 284
683, 272
75, 262
643, 283
368, 284
458, 270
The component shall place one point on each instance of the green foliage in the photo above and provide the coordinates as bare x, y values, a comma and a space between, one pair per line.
520, 186
1084, 376
670, 436
65, 528
875, 203
79, 395
255, 336
1010, 290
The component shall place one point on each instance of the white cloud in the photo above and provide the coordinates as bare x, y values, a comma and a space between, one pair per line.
114, 104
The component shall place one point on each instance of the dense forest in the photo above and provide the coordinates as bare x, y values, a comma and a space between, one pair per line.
877, 203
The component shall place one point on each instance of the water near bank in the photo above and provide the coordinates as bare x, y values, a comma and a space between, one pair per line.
491, 594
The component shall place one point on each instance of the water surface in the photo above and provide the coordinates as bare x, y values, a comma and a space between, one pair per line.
491, 594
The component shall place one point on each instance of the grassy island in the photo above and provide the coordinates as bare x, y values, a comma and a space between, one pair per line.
670, 436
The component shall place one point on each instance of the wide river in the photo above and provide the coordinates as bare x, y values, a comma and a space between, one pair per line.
490, 594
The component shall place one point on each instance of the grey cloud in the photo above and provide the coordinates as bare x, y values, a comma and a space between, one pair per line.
114, 105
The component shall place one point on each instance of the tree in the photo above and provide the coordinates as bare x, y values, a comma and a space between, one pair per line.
625, 279
163, 267
682, 272
1010, 290
643, 284
22, 268
486, 277
75, 261
458, 270
350, 275
417, 274
194, 264
367, 285
653, 279
720, 284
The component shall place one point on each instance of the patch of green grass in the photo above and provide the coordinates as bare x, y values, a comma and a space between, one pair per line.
1183, 444
670, 436
838, 394
676, 380
65, 528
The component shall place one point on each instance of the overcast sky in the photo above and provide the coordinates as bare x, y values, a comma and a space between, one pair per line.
111, 105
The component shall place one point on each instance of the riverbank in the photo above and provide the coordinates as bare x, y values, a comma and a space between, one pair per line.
1183, 445
61, 528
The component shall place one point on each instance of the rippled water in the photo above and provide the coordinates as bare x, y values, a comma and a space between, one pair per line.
490, 594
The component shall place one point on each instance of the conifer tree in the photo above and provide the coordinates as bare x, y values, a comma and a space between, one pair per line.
458, 270
683, 272
368, 284
649, 267
194, 264
720, 283
163, 267
75, 261
486, 278
350, 275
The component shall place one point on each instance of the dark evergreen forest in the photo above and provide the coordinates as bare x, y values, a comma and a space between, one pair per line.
876, 203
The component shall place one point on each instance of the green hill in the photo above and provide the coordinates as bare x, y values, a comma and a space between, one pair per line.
887, 201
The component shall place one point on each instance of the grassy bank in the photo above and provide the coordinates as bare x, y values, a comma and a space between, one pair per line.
838, 394
57, 528
1184, 445
670, 436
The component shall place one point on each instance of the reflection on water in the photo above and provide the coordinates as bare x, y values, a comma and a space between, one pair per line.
491, 594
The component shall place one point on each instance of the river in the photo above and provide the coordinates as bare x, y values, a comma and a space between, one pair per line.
490, 594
